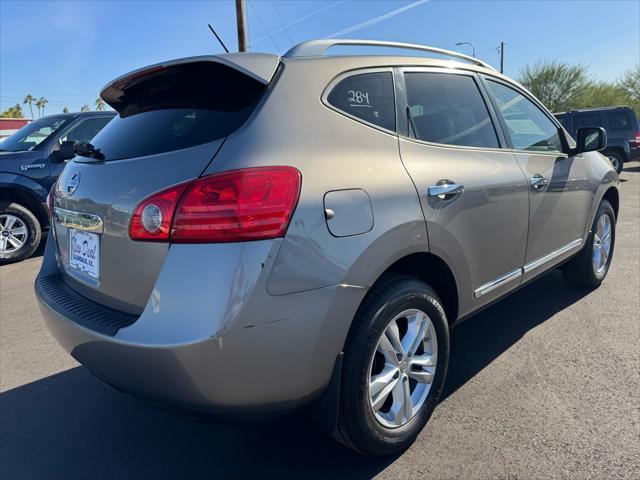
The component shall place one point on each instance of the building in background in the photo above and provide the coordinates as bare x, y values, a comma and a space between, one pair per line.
10, 125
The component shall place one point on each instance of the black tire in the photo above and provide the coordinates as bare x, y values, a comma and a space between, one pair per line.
357, 426
34, 232
616, 161
580, 270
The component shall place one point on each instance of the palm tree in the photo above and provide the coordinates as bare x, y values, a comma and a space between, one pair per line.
100, 105
65, 110
41, 103
85, 108
29, 99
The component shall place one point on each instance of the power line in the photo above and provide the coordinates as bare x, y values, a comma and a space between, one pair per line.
281, 22
263, 25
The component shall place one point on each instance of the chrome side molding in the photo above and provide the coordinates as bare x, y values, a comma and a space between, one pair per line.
551, 256
498, 282
518, 273
79, 220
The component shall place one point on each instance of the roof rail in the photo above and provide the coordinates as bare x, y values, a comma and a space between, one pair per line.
316, 48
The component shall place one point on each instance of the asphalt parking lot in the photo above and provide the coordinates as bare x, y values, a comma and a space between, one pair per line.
544, 384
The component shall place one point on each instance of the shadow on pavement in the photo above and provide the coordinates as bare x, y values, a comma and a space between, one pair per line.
70, 425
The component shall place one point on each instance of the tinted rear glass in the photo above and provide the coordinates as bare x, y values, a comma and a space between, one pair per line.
367, 96
177, 108
619, 121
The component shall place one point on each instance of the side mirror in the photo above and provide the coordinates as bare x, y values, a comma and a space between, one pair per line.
66, 151
590, 139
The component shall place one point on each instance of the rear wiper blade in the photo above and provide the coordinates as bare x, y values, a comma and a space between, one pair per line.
85, 149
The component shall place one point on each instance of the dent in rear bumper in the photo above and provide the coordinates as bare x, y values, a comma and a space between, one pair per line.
212, 339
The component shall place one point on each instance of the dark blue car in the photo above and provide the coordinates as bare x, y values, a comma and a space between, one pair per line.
30, 161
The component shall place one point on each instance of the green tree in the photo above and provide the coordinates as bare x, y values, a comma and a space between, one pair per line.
601, 94
65, 110
85, 108
100, 105
41, 103
630, 83
13, 112
555, 84
28, 100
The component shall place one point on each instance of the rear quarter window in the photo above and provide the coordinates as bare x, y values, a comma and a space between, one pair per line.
367, 97
619, 121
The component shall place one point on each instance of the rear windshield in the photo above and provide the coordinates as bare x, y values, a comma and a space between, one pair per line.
176, 108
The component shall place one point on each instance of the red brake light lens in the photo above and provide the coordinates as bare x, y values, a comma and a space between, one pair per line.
234, 206
163, 205
637, 139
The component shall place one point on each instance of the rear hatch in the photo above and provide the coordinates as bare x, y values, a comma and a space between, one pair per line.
172, 120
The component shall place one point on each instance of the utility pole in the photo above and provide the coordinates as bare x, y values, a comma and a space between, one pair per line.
242, 36
501, 57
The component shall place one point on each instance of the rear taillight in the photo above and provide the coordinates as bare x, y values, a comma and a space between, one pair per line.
235, 206
637, 139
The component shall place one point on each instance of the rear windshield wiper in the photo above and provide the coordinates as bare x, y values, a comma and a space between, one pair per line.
85, 149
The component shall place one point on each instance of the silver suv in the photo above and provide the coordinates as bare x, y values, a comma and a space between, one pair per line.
255, 233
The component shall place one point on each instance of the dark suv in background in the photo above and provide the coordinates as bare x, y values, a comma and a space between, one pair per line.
30, 161
621, 124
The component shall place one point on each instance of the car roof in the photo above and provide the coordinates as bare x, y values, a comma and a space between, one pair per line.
596, 109
97, 113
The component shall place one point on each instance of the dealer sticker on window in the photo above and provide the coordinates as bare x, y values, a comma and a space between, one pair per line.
84, 252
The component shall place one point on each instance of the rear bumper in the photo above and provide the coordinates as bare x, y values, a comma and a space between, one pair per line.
211, 338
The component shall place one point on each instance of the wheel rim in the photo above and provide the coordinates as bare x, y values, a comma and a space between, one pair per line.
402, 368
602, 243
13, 233
614, 161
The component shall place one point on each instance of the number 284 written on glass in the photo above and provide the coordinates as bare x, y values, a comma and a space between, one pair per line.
358, 99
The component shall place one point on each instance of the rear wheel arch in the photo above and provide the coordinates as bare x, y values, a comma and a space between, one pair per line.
435, 272
27, 200
618, 151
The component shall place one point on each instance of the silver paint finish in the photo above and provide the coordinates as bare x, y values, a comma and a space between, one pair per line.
351, 212
110, 191
277, 312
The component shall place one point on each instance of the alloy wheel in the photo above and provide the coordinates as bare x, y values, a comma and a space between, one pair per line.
402, 368
601, 243
13, 233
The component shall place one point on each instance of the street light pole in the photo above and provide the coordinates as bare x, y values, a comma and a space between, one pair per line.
473, 49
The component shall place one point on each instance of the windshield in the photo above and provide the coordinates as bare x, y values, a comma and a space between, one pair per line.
32, 135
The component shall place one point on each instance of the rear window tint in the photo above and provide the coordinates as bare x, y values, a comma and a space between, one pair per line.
177, 108
368, 97
619, 121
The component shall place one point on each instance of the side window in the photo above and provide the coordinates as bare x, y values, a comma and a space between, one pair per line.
85, 130
619, 121
448, 108
529, 127
586, 120
367, 96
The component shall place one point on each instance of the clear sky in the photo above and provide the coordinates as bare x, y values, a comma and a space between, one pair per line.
66, 51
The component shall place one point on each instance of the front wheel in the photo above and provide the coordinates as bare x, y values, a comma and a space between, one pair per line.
591, 265
19, 232
395, 365
616, 161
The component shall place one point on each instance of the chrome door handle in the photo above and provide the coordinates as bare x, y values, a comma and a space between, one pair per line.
445, 190
538, 182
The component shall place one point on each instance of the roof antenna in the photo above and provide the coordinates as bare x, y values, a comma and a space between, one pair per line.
221, 42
